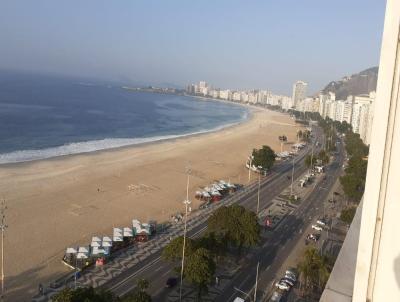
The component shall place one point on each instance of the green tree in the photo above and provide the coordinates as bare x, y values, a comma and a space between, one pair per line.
264, 157
347, 214
199, 270
299, 134
235, 225
353, 182
173, 250
215, 244
140, 294
314, 269
86, 294
323, 157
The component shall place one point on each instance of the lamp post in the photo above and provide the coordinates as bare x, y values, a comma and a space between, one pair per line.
291, 185
251, 161
3, 226
255, 287
258, 194
186, 203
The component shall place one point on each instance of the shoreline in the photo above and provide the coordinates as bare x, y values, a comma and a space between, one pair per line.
150, 140
64, 201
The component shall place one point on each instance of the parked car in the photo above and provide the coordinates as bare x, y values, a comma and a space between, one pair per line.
321, 222
316, 227
287, 281
313, 237
282, 286
276, 297
171, 282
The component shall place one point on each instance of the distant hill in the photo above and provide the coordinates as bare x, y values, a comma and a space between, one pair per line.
360, 83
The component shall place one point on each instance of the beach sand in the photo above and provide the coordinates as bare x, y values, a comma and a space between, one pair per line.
62, 202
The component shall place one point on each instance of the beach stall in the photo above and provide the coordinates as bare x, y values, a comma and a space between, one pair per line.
77, 258
141, 230
70, 257
118, 240
100, 255
215, 195
106, 242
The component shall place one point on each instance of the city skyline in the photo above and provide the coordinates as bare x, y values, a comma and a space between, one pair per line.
230, 44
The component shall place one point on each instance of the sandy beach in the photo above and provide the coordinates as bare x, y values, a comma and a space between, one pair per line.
53, 204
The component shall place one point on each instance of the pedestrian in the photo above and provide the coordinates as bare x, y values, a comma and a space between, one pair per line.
40, 289
216, 280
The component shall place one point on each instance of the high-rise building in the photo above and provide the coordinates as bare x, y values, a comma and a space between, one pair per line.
299, 92
362, 115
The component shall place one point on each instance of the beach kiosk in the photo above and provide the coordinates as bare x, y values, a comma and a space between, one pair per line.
141, 230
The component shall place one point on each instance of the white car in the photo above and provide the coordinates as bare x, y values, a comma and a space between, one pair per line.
321, 222
282, 286
316, 227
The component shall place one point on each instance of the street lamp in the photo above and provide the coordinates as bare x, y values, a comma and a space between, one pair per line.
3, 226
258, 194
187, 202
251, 161
291, 185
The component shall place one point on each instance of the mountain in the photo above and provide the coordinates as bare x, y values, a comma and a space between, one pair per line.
360, 83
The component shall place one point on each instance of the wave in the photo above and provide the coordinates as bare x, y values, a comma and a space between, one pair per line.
96, 145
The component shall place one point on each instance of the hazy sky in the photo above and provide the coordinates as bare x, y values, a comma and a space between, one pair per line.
232, 44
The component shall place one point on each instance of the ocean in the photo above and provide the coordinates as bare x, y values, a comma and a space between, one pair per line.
44, 117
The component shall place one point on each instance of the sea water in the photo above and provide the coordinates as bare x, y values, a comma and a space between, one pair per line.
43, 116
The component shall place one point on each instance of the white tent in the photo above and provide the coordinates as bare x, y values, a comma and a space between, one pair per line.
118, 238
95, 238
82, 256
83, 249
107, 244
128, 232
71, 250
97, 251
106, 238
95, 244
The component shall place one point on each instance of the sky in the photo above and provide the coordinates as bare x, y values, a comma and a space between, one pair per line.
266, 44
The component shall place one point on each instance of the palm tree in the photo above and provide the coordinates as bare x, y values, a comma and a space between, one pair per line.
314, 269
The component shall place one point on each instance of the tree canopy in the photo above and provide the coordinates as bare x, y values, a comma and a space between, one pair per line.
353, 182
173, 250
347, 214
87, 294
235, 225
314, 269
200, 269
264, 157
140, 294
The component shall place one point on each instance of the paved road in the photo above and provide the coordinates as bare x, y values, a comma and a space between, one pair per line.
276, 249
154, 269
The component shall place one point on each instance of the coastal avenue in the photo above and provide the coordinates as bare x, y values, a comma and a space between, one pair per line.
283, 240
157, 271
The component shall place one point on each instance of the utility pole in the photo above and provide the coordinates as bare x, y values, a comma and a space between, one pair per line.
251, 161
3, 226
291, 186
312, 155
258, 194
255, 287
186, 202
